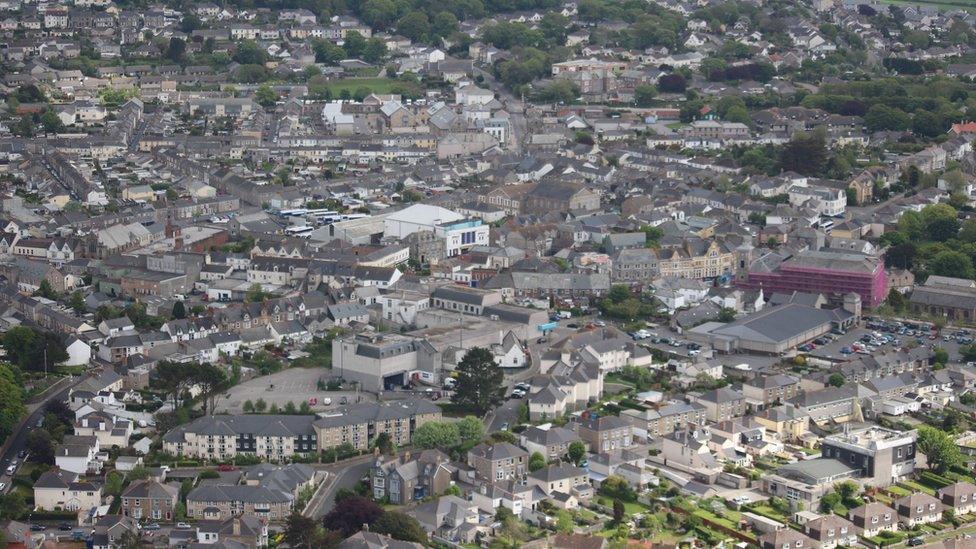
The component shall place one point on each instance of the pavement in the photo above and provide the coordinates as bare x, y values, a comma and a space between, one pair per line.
295, 385
35, 412
341, 475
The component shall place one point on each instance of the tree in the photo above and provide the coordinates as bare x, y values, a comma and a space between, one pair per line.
619, 511
255, 293
940, 355
12, 505
24, 127
302, 532
190, 23
113, 483
644, 95
726, 314
806, 153
399, 526
471, 429
211, 380
436, 434
738, 114
617, 487
354, 43
11, 400
479, 386
939, 448
951, 263
260, 406
672, 83
882, 117
179, 311
836, 380
414, 26
896, 300
266, 96
940, 222
385, 444
576, 452
51, 122
176, 50
375, 50
77, 302
41, 446
45, 290
901, 256
536, 461
249, 53
349, 515
33, 350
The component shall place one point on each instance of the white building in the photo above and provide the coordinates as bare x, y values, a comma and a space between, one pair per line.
458, 233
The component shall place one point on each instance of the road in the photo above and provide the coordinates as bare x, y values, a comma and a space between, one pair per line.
35, 412
342, 475
513, 106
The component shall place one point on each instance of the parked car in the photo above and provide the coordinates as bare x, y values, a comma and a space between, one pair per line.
182, 526
65, 526
504, 426
152, 526
226, 468
38, 528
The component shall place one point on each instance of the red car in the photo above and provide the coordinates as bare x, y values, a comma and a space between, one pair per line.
226, 467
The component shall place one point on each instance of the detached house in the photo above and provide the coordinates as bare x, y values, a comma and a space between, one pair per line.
402, 480
58, 490
499, 461
109, 430
149, 499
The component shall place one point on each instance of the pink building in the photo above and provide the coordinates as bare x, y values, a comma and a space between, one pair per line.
825, 271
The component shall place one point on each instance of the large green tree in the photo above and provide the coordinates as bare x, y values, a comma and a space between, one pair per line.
11, 400
479, 383
400, 526
436, 434
32, 349
939, 449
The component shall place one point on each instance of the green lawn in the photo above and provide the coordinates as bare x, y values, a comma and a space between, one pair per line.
916, 487
968, 5
769, 512
375, 85
899, 491
631, 507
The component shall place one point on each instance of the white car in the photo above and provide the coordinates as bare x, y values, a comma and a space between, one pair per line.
741, 500
2, 486
182, 526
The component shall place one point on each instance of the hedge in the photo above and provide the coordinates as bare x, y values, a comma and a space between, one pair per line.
934, 480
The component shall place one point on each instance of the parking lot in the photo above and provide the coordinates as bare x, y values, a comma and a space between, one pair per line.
832, 350
295, 385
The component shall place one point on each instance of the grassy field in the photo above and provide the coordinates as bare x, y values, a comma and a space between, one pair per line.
968, 5
375, 85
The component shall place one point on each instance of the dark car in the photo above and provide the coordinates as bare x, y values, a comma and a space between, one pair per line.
38, 528
65, 526
915, 542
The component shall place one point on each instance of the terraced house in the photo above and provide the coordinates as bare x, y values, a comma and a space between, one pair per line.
360, 424
222, 437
